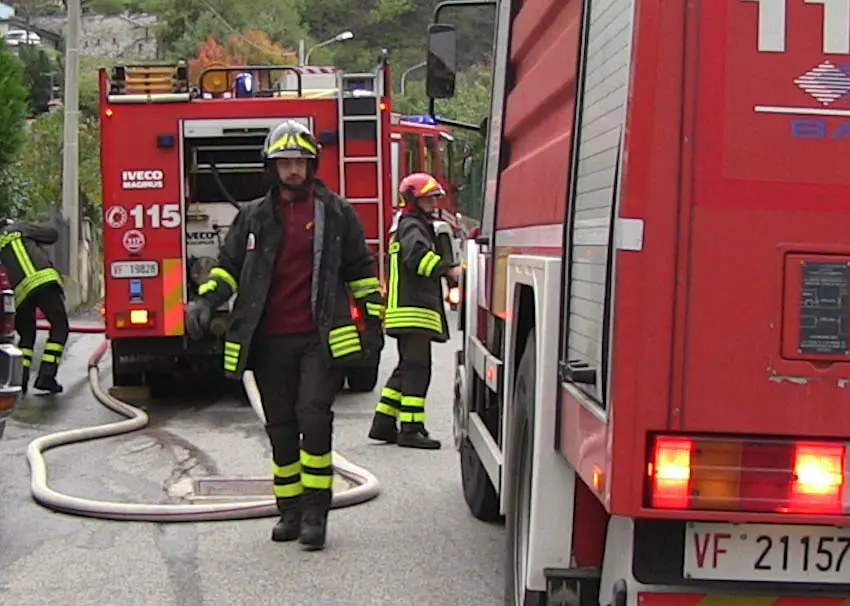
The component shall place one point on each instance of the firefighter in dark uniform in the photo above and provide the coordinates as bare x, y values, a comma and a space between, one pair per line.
37, 285
415, 314
296, 260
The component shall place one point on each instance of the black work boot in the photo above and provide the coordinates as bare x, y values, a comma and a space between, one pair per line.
414, 435
314, 520
288, 527
383, 428
46, 380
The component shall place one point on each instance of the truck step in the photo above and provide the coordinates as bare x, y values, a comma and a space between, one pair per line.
572, 586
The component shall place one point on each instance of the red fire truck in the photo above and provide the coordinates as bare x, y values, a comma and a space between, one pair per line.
178, 160
654, 375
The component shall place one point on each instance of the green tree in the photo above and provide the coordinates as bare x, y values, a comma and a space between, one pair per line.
14, 106
40, 173
181, 25
38, 67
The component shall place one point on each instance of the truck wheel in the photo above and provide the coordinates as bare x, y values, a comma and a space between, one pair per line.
478, 490
518, 476
363, 378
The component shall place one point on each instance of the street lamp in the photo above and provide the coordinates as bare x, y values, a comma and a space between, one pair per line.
340, 37
407, 71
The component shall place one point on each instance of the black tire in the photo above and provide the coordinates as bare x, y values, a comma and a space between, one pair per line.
518, 475
363, 378
478, 491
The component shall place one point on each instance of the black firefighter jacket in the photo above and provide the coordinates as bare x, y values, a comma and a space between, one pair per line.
343, 267
26, 262
415, 293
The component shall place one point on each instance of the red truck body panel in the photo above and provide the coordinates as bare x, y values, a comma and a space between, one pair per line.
129, 135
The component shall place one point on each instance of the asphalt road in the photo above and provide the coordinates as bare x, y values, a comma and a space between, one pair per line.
415, 544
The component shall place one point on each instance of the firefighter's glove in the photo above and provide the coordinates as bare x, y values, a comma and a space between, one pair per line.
198, 316
454, 275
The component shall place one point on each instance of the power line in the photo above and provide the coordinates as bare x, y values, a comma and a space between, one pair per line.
233, 29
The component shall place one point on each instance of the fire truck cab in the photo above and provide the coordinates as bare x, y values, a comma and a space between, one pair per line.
652, 383
178, 160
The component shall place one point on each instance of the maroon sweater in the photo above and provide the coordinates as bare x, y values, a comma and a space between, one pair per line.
288, 309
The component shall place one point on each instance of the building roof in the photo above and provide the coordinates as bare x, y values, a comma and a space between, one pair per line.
19, 23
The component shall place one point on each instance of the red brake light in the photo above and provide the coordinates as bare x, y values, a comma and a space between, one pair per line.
671, 473
818, 485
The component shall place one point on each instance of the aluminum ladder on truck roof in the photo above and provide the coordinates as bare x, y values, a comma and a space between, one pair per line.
373, 82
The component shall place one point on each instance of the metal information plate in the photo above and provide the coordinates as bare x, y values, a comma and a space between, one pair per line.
824, 313
134, 269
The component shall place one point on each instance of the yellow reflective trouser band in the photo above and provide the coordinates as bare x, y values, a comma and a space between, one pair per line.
52, 352
375, 309
427, 263
389, 403
344, 340
231, 356
287, 480
317, 471
365, 287
392, 291
412, 409
27, 353
33, 281
225, 276
413, 317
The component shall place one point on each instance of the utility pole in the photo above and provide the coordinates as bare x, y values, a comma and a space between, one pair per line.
71, 149
302, 51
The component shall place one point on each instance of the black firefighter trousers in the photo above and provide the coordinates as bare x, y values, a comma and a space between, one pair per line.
403, 396
298, 389
51, 300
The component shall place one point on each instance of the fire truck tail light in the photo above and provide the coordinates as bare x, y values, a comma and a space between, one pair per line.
135, 318
671, 473
754, 475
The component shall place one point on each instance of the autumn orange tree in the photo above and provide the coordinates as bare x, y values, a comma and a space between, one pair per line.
211, 53
251, 47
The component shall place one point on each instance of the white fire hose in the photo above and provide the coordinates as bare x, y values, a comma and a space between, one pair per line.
366, 486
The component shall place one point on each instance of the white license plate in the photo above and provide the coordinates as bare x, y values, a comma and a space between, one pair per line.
767, 552
134, 269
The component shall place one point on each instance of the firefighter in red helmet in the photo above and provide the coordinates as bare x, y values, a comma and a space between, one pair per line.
415, 314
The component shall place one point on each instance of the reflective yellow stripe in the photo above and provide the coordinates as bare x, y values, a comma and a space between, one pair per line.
286, 471
208, 286
417, 414
427, 263
26, 351
386, 409
317, 482
413, 317
50, 346
8, 238
52, 352
316, 461
391, 394
49, 358
287, 491
344, 341
292, 142
365, 287
35, 280
23, 257
392, 294
26, 362
231, 356
225, 276
375, 309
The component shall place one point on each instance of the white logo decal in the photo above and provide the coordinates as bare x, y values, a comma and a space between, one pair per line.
142, 179
134, 241
250, 244
116, 217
